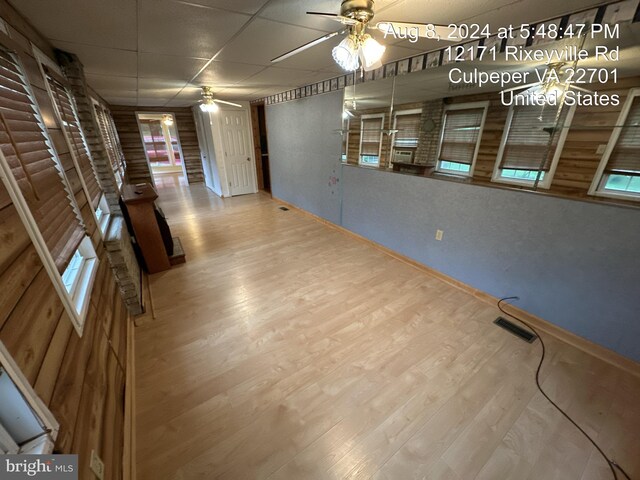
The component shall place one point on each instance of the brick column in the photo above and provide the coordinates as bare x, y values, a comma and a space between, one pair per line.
116, 240
74, 71
430, 130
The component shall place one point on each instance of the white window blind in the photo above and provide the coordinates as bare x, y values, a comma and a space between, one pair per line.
371, 136
625, 157
30, 158
408, 130
533, 137
460, 135
69, 117
110, 141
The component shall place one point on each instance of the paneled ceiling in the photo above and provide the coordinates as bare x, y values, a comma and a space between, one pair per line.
159, 52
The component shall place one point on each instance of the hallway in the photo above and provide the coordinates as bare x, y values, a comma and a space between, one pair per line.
285, 349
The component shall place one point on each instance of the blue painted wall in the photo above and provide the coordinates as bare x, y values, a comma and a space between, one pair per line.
304, 153
573, 263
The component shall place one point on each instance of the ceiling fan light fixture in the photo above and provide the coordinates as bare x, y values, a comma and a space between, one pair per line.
371, 52
346, 54
208, 105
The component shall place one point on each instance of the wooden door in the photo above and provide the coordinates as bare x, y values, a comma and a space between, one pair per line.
237, 151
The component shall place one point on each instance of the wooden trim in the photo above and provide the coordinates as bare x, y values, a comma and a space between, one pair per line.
561, 334
129, 449
22, 383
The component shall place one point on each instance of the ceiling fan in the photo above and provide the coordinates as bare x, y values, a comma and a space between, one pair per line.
209, 103
358, 47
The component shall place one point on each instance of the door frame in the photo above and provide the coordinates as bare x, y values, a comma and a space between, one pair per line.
175, 122
255, 128
220, 140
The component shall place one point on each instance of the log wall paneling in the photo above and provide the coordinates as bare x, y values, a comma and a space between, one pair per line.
80, 379
129, 133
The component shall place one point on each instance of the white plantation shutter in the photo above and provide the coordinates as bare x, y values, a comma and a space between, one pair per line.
371, 136
408, 133
533, 137
625, 157
32, 161
70, 122
460, 135
110, 139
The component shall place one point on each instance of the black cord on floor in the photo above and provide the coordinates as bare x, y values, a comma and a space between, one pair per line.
612, 464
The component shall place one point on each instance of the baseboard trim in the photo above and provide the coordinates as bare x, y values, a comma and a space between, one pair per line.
545, 326
129, 451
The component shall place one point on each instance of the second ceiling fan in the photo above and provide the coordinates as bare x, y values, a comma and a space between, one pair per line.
358, 47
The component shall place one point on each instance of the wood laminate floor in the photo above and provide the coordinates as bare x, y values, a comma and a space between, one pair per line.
285, 349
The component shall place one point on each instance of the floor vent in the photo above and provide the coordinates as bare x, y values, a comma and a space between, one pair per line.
284, 209
511, 327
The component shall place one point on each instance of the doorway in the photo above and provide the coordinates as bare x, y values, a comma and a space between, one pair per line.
259, 128
236, 144
159, 133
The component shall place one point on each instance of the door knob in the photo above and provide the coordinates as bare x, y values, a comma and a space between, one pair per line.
248, 159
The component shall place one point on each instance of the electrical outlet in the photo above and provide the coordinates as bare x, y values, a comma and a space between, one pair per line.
97, 465
601, 148
439, 234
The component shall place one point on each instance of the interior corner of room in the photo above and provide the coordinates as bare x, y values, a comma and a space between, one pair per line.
277, 239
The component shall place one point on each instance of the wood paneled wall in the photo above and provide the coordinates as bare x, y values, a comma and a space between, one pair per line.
591, 127
81, 379
137, 167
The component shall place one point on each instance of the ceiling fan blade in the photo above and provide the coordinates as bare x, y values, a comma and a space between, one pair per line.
227, 103
581, 89
522, 87
336, 17
312, 43
425, 30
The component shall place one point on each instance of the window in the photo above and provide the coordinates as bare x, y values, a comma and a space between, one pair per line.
406, 126
36, 180
618, 174
531, 144
371, 139
160, 139
460, 139
26, 425
78, 276
103, 214
346, 123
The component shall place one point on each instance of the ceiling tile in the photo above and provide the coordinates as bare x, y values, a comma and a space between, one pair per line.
221, 73
109, 93
242, 6
280, 76
151, 102
101, 23
173, 28
159, 93
126, 101
263, 40
294, 13
156, 83
103, 82
153, 65
104, 61
236, 93
527, 12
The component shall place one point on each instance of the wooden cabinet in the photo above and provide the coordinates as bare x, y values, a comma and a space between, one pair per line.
139, 200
